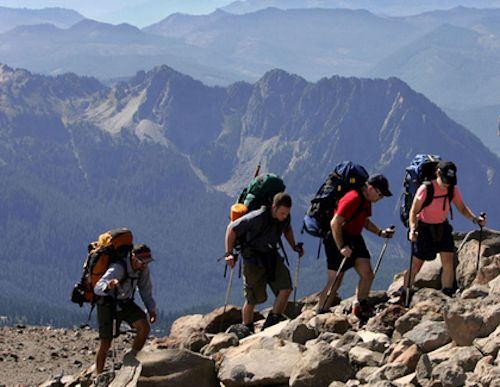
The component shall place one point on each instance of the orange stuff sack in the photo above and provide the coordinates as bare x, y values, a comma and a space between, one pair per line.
237, 211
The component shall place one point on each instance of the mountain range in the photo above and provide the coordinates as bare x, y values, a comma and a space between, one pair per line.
383, 7
165, 154
14, 17
451, 56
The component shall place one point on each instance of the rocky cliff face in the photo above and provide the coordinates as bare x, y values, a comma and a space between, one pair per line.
437, 341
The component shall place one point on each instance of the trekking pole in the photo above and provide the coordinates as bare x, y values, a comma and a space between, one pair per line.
297, 270
408, 287
228, 292
481, 215
392, 227
339, 271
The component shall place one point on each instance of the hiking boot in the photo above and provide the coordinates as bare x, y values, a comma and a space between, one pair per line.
356, 309
272, 319
402, 297
362, 310
251, 328
448, 292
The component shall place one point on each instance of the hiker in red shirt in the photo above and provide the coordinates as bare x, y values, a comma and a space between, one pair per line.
430, 231
351, 216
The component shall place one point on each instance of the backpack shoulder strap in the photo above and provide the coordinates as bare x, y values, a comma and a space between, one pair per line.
429, 197
359, 210
451, 191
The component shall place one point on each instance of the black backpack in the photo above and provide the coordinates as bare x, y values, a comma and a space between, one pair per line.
345, 177
422, 170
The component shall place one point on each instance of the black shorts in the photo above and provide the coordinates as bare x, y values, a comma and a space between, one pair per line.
333, 256
433, 239
128, 311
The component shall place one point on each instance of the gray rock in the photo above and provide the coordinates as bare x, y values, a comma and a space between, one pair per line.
390, 372
384, 322
347, 341
220, 341
429, 275
423, 370
468, 319
177, 367
315, 367
241, 331
449, 374
378, 342
421, 311
259, 361
477, 291
196, 341
489, 345
299, 332
429, 335
362, 357
466, 357
365, 373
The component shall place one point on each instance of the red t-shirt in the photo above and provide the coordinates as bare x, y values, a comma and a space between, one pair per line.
347, 207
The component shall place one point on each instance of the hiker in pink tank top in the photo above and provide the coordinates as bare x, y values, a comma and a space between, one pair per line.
430, 231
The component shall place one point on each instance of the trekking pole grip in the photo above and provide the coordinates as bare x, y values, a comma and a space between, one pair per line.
299, 246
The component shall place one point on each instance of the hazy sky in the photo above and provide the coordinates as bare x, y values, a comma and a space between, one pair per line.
137, 12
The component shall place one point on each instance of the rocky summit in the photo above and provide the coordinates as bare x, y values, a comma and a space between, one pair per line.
437, 341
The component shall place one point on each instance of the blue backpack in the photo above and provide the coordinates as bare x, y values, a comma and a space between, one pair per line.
345, 177
422, 170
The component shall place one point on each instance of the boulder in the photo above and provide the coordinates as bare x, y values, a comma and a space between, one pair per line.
421, 311
176, 367
315, 367
429, 275
407, 355
449, 374
429, 335
219, 320
259, 361
489, 345
469, 319
362, 357
384, 322
466, 272
330, 322
299, 332
220, 341
374, 341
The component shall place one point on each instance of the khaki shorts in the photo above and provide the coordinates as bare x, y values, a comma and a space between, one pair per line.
255, 281
130, 312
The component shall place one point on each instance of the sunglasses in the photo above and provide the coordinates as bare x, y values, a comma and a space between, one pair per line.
141, 261
379, 193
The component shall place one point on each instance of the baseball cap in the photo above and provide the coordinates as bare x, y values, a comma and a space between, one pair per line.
143, 252
380, 182
448, 172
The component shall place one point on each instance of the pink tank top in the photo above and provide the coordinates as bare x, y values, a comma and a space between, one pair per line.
434, 212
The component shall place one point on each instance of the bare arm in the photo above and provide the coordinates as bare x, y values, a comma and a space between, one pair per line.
290, 237
230, 241
336, 227
416, 207
467, 212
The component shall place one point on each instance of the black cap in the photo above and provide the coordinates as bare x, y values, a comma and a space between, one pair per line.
380, 182
143, 252
448, 171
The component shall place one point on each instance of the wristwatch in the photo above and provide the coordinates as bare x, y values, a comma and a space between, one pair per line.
227, 254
